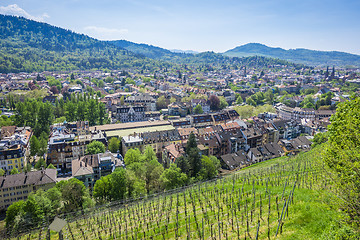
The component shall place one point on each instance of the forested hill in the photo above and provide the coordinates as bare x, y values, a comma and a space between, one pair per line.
27, 45
30, 46
202, 60
149, 50
304, 56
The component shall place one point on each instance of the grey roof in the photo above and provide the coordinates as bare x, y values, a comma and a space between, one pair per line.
235, 160
46, 176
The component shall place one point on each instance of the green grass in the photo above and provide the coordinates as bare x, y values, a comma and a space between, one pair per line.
228, 208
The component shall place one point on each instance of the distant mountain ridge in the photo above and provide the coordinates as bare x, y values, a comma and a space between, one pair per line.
184, 51
31, 46
146, 50
299, 55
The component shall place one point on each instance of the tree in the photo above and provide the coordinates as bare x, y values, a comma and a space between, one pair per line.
149, 154
210, 166
214, 102
13, 210
193, 155
51, 166
173, 177
114, 144
14, 171
118, 184
102, 189
308, 102
183, 164
102, 113
54, 90
223, 103
135, 185
2, 172
152, 176
95, 147
161, 103
132, 156
32, 210
92, 112
172, 100
194, 161
342, 155
198, 109
73, 192
43, 144
40, 164
250, 102
54, 195
269, 96
34, 145
191, 143
239, 100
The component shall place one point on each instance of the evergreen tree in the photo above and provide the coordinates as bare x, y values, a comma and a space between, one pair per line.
333, 73
327, 72
193, 155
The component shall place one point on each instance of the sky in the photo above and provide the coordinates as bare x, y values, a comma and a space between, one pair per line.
204, 25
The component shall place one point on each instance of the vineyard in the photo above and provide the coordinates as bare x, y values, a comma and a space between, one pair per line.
284, 198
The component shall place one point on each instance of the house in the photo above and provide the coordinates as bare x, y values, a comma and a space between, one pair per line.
177, 109
274, 149
212, 143
131, 142
253, 137
234, 160
201, 120
134, 113
171, 153
255, 155
64, 146
17, 187
185, 132
158, 140
287, 128
14, 143
143, 99
91, 168
205, 105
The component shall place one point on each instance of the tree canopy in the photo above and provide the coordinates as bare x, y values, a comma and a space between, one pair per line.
343, 154
95, 147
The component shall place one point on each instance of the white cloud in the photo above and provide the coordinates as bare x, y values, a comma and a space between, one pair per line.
105, 33
15, 10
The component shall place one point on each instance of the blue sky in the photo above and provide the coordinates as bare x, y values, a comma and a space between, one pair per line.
204, 25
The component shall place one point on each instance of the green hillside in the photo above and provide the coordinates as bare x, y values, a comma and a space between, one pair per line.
29, 46
304, 56
284, 198
199, 59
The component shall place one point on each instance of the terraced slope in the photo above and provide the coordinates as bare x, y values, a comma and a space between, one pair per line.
286, 198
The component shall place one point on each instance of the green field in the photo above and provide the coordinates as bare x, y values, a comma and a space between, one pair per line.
284, 198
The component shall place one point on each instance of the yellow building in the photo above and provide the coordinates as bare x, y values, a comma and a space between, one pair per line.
13, 146
17, 187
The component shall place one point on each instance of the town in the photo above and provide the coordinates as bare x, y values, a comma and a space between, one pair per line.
224, 109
